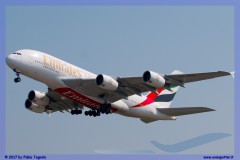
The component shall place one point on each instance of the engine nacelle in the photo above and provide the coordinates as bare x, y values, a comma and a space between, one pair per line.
153, 79
39, 98
34, 107
106, 82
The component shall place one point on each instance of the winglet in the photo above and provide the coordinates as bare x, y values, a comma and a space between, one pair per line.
232, 74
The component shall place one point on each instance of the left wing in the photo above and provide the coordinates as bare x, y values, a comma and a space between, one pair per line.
50, 102
59, 104
127, 86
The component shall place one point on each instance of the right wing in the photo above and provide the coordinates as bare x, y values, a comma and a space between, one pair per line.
128, 86
181, 79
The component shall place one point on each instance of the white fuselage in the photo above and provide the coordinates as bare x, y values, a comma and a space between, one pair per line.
50, 70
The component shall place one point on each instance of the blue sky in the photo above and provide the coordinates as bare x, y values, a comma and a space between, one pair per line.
123, 41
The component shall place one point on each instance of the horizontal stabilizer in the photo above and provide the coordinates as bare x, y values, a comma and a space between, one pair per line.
183, 111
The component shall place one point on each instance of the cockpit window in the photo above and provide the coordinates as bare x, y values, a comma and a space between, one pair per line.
17, 53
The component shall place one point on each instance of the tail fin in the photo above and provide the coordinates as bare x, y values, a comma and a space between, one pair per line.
165, 96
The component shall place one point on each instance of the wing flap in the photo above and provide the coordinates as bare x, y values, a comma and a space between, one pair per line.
183, 111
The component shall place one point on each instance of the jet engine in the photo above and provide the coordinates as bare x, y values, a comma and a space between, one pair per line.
153, 79
106, 82
37, 101
34, 107
39, 98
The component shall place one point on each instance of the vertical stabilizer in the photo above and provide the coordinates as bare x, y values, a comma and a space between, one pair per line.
165, 96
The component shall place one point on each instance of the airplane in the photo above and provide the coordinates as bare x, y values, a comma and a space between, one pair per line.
71, 89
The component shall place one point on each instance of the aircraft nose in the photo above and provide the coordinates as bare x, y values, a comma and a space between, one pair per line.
13, 61
10, 60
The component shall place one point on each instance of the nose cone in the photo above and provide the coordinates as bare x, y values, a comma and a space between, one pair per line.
10, 60
13, 61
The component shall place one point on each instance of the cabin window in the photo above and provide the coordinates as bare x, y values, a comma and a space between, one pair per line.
17, 53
